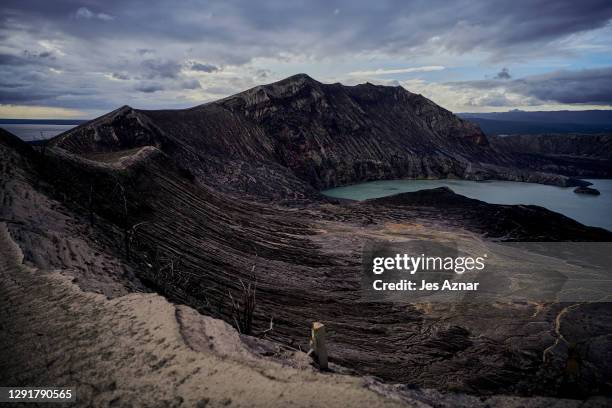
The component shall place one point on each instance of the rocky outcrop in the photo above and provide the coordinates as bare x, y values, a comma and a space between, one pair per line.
296, 136
510, 222
586, 190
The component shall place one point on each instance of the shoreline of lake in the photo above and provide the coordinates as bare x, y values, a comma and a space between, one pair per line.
589, 210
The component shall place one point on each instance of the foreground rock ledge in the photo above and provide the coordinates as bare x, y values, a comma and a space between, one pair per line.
130, 351
586, 190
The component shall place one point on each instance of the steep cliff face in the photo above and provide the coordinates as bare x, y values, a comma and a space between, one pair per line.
332, 134
595, 146
296, 136
581, 155
120, 129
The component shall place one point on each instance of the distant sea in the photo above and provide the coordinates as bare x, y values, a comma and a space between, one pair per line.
30, 130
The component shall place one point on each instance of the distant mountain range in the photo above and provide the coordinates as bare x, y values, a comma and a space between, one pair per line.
41, 121
521, 122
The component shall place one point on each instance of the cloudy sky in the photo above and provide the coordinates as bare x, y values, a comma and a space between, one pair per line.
79, 59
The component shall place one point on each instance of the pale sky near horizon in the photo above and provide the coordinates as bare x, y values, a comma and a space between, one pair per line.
80, 59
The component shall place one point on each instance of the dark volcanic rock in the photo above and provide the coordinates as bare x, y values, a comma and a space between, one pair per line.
293, 137
509, 222
596, 146
307, 266
586, 190
577, 155
333, 134
10, 140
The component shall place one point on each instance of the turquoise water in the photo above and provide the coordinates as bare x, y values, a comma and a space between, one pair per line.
589, 210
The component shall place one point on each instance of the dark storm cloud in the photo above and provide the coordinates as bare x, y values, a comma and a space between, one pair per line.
120, 76
149, 88
154, 41
269, 25
9, 59
26, 57
588, 86
23, 95
43, 54
161, 68
191, 84
503, 74
196, 66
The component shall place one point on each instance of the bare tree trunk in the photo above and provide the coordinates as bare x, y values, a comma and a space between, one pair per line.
319, 344
243, 309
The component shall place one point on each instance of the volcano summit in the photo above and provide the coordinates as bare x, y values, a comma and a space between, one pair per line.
294, 137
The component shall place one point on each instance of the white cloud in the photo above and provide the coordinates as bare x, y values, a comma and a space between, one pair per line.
466, 99
52, 47
397, 71
40, 112
105, 17
85, 13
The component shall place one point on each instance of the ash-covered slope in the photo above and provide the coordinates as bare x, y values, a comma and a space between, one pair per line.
197, 245
293, 137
